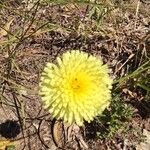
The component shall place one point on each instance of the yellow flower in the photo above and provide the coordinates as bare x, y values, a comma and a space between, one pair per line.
77, 88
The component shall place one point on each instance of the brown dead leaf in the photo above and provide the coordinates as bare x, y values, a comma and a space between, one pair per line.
58, 133
127, 91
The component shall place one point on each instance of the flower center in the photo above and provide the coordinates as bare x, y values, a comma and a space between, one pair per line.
76, 84
80, 84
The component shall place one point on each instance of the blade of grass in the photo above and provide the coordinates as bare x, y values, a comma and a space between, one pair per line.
139, 70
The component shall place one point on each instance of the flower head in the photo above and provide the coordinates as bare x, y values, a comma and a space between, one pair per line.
77, 88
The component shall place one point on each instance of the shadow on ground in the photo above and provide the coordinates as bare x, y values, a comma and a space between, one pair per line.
9, 129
